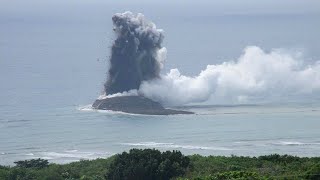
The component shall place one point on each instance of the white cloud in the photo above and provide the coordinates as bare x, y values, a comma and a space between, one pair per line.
255, 76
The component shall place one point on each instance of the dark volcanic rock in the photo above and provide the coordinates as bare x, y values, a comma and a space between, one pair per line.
135, 105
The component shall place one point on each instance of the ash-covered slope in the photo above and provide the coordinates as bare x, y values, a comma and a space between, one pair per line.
135, 105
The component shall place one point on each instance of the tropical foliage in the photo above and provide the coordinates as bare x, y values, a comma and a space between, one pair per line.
153, 164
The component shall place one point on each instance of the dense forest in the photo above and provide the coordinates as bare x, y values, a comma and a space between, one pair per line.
154, 164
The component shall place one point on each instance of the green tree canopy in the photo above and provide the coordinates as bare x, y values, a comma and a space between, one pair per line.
148, 164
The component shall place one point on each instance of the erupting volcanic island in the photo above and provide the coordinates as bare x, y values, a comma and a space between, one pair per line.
135, 105
136, 56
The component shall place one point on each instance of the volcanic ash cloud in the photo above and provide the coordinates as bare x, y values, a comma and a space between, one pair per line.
136, 55
137, 58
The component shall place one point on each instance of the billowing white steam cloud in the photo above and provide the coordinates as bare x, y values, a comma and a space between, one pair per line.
255, 76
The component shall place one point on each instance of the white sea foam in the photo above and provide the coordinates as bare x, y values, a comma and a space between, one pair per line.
276, 143
175, 146
86, 108
90, 108
72, 154
111, 112
296, 143
71, 151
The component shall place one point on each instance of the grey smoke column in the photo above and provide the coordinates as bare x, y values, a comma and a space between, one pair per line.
134, 54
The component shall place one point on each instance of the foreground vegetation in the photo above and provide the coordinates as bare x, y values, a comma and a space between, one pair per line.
153, 164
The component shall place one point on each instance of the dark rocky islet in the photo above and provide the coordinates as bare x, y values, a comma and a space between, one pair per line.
135, 105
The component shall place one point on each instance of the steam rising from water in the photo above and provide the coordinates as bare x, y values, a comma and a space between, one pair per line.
257, 76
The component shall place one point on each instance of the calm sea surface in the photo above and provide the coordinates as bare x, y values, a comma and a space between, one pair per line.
53, 63
76, 132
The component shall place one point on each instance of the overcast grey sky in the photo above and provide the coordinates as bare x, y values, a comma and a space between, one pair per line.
42, 37
220, 6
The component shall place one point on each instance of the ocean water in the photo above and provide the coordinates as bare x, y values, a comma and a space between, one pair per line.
53, 63
77, 132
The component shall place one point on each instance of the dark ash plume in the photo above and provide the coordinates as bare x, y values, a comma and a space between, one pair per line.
136, 54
